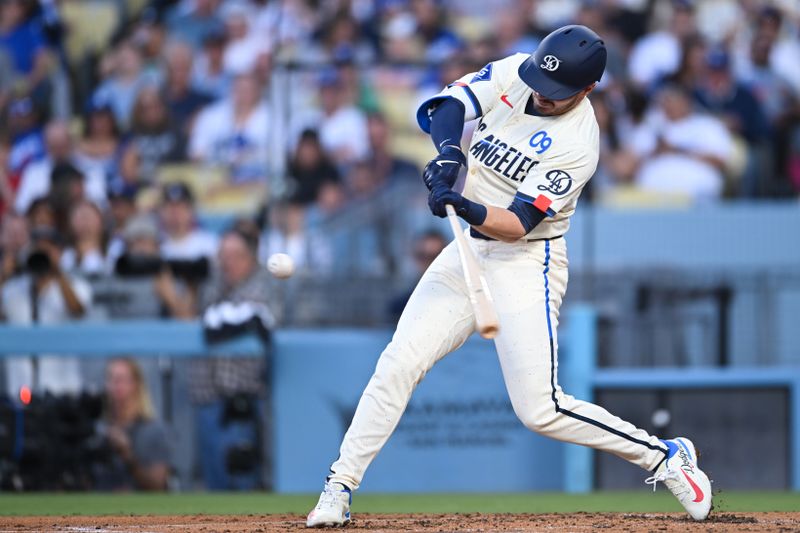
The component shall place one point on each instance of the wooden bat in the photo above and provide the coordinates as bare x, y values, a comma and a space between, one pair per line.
486, 320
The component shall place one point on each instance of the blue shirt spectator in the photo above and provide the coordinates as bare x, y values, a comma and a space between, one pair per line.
720, 93
22, 39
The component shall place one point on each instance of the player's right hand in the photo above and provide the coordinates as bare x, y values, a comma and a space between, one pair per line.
443, 169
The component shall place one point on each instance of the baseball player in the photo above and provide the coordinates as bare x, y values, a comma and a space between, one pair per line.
535, 147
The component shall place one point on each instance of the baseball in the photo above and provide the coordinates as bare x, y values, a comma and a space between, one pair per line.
280, 265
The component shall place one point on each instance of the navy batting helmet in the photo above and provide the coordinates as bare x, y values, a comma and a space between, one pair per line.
567, 61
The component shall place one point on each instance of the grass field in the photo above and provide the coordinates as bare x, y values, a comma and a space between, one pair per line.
261, 503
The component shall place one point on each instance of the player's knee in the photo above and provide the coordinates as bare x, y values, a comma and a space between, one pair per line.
538, 420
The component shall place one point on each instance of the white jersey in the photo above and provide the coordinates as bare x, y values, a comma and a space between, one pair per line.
543, 160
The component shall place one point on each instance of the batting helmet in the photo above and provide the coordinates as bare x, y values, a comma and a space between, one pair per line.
567, 61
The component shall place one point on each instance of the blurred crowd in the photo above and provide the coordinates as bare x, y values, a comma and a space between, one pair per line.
291, 113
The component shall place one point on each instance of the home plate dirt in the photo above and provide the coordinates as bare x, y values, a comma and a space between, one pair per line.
577, 522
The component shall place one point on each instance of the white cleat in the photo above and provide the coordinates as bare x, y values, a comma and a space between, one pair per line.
333, 507
680, 473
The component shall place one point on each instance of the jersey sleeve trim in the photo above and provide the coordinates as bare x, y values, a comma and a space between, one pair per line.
425, 109
541, 202
472, 98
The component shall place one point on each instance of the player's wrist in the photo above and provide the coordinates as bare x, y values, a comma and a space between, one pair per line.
454, 152
473, 213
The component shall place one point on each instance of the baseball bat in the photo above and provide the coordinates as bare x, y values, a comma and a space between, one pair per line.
486, 320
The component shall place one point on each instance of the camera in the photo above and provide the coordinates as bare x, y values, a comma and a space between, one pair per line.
38, 263
52, 443
139, 265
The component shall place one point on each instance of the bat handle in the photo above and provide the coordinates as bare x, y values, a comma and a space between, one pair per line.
451, 211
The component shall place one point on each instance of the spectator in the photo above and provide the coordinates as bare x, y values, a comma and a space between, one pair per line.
194, 24
37, 178
341, 37
126, 77
98, 149
14, 240
694, 63
235, 133
182, 98
182, 238
784, 53
66, 191
26, 135
141, 451
386, 165
342, 127
309, 170
358, 90
21, 38
511, 31
289, 24
657, 55
44, 294
149, 36
209, 74
87, 255
427, 247
7, 76
363, 181
154, 137
772, 90
682, 152
121, 209
150, 288
243, 46
41, 214
440, 42
721, 94
218, 385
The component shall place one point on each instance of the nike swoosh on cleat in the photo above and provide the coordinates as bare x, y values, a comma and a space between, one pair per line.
446, 161
504, 99
698, 494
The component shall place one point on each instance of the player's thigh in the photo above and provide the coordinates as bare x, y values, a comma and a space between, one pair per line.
527, 287
438, 317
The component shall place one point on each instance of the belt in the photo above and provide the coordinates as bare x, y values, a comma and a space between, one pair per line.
475, 234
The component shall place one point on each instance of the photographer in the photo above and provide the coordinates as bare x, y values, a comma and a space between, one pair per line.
44, 294
229, 392
148, 285
140, 458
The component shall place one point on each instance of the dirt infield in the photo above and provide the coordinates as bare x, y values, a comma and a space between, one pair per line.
727, 522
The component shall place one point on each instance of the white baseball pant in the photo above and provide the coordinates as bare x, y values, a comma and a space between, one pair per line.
527, 281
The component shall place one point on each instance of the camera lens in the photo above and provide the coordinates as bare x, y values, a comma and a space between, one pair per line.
38, 263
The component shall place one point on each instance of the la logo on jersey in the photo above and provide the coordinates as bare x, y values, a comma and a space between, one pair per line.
560, 182
550, 63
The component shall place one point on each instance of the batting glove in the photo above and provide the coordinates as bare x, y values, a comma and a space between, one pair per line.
443, 169
474, 213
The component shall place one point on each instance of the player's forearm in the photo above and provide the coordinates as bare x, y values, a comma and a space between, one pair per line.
502, 224
447, 124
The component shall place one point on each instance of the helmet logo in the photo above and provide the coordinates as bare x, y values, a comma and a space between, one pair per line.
550, 63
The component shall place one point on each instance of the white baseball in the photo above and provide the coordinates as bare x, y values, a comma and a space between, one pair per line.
280, 265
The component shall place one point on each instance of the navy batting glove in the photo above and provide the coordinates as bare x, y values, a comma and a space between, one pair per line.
474, 213
443, 169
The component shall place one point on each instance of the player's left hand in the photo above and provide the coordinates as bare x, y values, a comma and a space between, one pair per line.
441, 196
443, 169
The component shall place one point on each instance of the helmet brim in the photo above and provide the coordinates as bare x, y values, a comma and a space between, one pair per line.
535, 78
